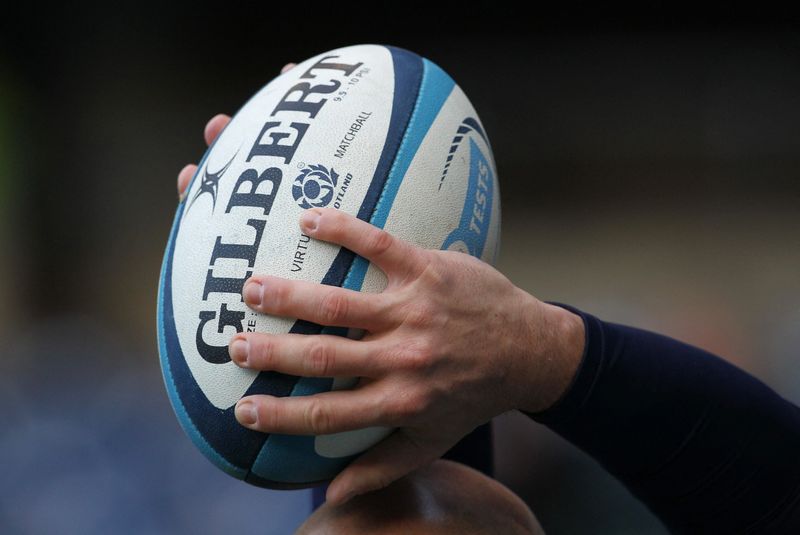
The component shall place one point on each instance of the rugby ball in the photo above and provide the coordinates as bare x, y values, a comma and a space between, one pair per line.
375, 131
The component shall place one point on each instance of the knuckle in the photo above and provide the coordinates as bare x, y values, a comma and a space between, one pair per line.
410, 407
392, 356
263, 350
269, 416
435, 274
418, 356
384, 305
317, 418
333, 308
409, 355
379, 242
378, 309
418, 263
276, 296
320, 360
420, 314
331, 222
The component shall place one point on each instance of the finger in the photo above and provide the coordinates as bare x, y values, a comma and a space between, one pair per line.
305, 355
184, 177
288, 67
319, 303
320, 414
392, 255
214, 127
388, 461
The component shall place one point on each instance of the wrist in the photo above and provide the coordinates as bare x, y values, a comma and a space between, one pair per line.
554, 353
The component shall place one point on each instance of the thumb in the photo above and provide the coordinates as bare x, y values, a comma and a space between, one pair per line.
394, 457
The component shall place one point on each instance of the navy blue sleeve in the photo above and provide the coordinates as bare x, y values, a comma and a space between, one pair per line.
707, 447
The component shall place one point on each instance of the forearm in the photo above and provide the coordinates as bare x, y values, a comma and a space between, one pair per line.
705, 445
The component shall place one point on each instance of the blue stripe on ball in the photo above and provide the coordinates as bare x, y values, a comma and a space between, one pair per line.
167, 341
293, 459
435, 88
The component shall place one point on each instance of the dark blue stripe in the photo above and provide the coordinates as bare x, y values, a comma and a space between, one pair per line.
407, 78
279, 384
214, 431
471, 121
408, 69
434, 90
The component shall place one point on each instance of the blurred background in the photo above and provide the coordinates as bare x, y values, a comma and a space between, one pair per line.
649, 170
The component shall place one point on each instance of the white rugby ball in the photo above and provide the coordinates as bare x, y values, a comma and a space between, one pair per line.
375, 131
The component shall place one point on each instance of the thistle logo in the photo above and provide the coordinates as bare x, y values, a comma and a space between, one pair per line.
313, 187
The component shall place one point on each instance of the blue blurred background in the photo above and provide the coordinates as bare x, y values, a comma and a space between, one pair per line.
649, 173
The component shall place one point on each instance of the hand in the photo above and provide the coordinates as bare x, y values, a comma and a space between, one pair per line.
450, 343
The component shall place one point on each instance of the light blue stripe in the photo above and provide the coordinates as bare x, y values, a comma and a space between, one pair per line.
189, 428
280, 459
292, 458
436, 86
177, 405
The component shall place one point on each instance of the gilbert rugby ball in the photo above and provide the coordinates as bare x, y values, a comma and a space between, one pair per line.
375, 131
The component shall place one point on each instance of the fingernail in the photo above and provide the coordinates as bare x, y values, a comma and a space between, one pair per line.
309, 220
238, 350
246, 412
253, 292
182, 196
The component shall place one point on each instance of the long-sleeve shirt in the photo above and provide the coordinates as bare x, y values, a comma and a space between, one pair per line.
707, 447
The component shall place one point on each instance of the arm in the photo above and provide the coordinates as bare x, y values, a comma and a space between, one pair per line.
707, 447
453, 343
